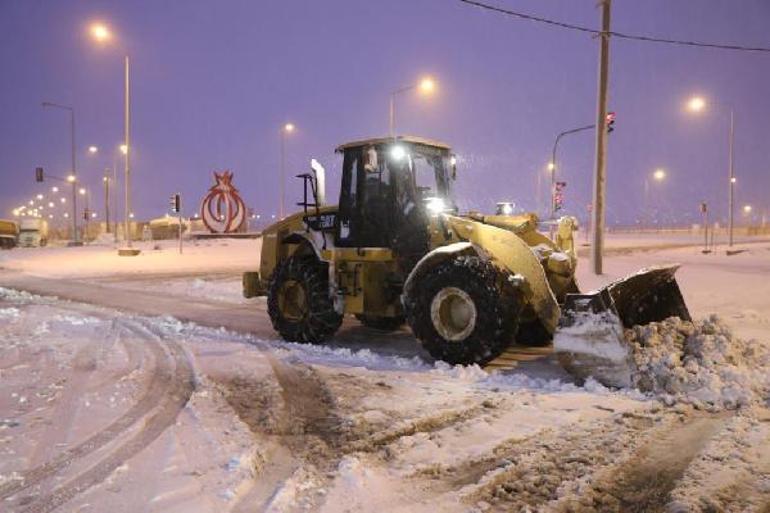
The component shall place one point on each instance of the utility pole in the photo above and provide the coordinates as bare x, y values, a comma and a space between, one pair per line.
600, 177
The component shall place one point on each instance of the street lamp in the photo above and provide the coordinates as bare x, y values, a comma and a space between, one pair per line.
658, 176
698, 104
73, 171
93, 150
286, 129
426, 86
102, 34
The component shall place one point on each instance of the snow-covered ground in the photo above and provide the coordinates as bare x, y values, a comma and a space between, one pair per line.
94, 260
102, 409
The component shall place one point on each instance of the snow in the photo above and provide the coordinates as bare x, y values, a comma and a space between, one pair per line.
701, 363
100, 260
385, 429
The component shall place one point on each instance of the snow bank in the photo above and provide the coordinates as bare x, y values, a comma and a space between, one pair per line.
700, 363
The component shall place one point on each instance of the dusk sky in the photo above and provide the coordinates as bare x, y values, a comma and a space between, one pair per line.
213, 82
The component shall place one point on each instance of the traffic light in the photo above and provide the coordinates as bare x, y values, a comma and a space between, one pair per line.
176, 203
38, 174
610, 122
558, 196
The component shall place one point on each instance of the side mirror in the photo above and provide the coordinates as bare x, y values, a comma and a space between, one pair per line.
319, 173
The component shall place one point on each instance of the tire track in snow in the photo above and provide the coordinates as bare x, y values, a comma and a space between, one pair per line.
177, 392
161, 377
644, 483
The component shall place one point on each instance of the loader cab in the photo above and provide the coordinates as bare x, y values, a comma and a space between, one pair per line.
390, 187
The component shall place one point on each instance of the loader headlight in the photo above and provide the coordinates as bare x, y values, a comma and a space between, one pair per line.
435, 205
397, 153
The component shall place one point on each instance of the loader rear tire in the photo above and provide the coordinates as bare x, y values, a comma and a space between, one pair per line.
381, 323
462, 312
299, 303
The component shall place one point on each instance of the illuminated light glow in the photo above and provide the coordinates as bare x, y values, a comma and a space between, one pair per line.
50, 216
131, 215
31, 202
747, 209
63, 200
733, 180
397, 153
696, 104
71, 178
82, 191
39, 196
506, 209
551, 166
427, 85
104, 179
288, 128
50, 204
93, 214
453, 160
66, 214
123, 149
659, 174
54, 189
92, 149
435, 205
100, 32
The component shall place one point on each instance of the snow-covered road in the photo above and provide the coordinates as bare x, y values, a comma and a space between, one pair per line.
170, 393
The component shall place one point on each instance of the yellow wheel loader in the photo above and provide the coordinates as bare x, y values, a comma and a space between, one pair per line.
396, 250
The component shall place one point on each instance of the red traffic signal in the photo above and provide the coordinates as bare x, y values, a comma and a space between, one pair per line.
610, 122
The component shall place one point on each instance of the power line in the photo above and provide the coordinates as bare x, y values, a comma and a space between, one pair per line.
621, 35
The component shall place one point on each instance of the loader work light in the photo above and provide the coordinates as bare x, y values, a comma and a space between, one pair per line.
397, 153
435, 205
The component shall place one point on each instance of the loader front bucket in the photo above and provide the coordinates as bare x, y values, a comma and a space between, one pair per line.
590, 339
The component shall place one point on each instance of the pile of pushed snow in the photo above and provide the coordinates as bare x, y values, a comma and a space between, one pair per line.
701, 363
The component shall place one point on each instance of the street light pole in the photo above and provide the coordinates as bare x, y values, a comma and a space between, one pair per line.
732, 178
552, 165
283, 174
600, 178
106, 180
75, 237
697, 104
127, 142
285, 129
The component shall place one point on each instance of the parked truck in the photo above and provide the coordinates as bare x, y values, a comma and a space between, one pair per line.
9, 233
33, 233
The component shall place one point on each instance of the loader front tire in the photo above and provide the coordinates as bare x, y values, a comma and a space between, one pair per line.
299, 303
462, 312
